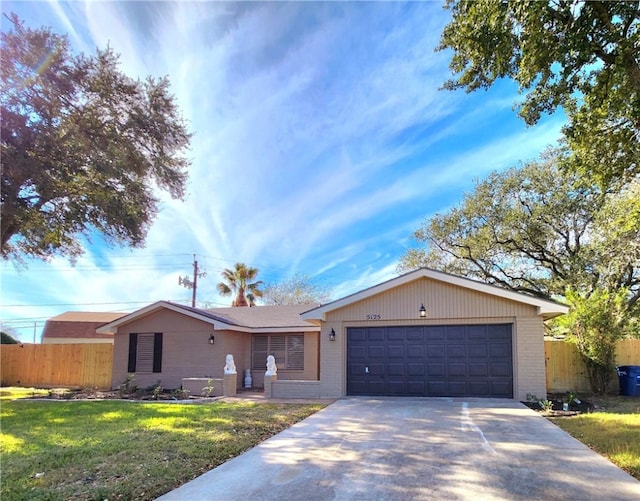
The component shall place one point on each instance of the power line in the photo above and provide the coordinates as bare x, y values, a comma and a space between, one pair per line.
84, 304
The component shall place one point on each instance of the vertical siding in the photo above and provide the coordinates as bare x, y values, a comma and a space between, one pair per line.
442, 301
446, 305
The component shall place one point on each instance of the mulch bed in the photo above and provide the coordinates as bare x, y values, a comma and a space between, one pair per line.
557, 409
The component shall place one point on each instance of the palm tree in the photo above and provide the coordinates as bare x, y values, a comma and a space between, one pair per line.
238, 282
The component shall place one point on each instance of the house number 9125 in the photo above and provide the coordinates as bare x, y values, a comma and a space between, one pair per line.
374, 317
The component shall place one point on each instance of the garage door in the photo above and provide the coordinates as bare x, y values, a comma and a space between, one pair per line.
433, 361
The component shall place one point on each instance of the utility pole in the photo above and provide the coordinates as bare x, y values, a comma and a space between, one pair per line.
195, 281
193, 285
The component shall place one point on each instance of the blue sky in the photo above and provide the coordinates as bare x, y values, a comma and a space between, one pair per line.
321, 142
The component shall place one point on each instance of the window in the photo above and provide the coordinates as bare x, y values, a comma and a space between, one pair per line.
288, 351
145, 352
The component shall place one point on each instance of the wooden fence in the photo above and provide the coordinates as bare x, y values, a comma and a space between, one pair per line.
89, 365
57, 365
566, 371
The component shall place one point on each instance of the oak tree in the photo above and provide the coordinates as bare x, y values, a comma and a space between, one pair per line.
85, 148
578, 55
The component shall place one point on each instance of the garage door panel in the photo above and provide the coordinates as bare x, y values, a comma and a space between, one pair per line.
500, 370
477, 350
376, 369
457, 388
357, 388
436, 388
395, 370
499, 350
416, 388
456, 351
356, 352
395, 351
477, 333
415, 350
356, 369
436, 370
357, 334
455, 333
376, 334
414, 333
478, 369
376, 351
395, 334
479, 388
435, 333
414, 369
436, 350
456, 369
396, 387
458, 360
501, 389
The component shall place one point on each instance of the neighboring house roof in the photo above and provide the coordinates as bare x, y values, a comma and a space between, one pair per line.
78, 324
243, 319
546, 308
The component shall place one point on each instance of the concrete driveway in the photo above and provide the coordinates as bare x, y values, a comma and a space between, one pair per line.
417, 448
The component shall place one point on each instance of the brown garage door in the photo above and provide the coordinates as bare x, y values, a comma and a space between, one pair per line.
442, 360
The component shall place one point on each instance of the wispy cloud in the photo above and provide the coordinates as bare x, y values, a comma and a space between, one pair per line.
321, 139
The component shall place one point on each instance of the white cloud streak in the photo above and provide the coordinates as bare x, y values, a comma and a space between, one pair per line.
320, 139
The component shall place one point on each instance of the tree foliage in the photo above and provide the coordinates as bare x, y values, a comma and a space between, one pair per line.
582, 56
83, 146
240, 282
538, 230
543, 231
595, 324
298, 289
7, 338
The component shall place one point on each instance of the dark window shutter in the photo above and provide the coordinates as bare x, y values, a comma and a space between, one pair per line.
295, 352
157, 352
133, 347
260, 350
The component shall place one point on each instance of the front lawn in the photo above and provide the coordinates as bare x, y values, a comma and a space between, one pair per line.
613, 430
126, 450
11, 393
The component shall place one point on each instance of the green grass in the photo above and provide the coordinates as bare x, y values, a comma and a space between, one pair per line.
613, 430
11, 393
116, 449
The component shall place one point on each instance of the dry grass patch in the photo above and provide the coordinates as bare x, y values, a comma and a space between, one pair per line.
126, 450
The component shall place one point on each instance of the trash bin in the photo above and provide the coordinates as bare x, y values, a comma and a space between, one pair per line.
629, 377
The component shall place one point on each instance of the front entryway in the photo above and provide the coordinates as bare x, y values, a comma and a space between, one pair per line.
436, 360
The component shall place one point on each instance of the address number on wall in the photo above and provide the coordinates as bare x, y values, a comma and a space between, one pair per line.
374, 317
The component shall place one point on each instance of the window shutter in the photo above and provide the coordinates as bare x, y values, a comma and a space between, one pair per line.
145, 352
259, 352
278, 348
295, 352
157, 352
133, 348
